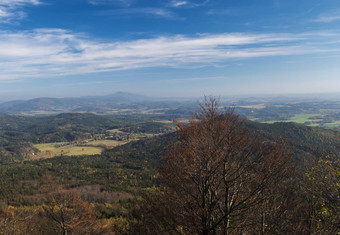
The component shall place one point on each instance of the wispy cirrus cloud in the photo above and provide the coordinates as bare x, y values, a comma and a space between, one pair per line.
13, 3
56, 52
176, 3
329, 17
187, 3
13, 9
146, 11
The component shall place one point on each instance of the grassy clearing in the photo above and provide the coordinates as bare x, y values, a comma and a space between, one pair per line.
165, 121
77, 150
106, 143
92, 147
49, 150
49, 146
301, 118
332, 125
115, 131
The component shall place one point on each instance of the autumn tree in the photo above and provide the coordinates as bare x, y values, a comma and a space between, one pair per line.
70, 214
7, 223
63, 211
20, 220
323, 186
215, 176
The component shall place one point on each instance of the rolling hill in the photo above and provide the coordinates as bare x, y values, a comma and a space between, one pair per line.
125, 103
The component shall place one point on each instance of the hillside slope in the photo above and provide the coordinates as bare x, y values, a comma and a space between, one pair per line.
135, 165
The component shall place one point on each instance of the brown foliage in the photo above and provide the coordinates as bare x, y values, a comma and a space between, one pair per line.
323, 188
216, 176
62, 212
68, 213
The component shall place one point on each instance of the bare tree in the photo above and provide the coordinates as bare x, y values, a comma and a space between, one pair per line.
216, 175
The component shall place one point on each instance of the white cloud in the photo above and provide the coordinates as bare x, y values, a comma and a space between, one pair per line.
158, 12
175, 3
18, 2
327, 18
55, 52
12, 9
188, 4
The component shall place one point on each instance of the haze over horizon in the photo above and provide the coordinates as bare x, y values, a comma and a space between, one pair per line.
168, 48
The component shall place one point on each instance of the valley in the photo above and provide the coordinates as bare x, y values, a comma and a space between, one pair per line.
93, 146
308, 110
113, 161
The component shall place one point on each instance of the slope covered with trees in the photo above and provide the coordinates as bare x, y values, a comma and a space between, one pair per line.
115, 180
222, 178
19, 133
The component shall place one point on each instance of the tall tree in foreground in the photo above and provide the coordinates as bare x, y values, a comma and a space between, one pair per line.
216, 175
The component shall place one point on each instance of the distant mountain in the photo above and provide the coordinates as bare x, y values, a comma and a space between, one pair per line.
130, 103
323, 113
126, 97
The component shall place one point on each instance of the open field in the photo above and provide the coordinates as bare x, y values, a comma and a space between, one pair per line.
106, 143
77, 150
314, 120
52, 150
115, 131
165, 121
332, 125
302, 118
87, 147
49, 146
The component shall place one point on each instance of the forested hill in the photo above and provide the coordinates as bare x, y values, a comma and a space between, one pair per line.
135, 164
304, 141
17, 132
113, 177
109, 104
58, 105
21, 130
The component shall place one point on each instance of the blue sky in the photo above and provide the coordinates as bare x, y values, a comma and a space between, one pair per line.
65, 48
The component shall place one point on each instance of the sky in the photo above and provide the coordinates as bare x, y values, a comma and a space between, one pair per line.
186, 48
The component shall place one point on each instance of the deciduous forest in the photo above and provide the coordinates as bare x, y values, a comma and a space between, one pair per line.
218, 173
